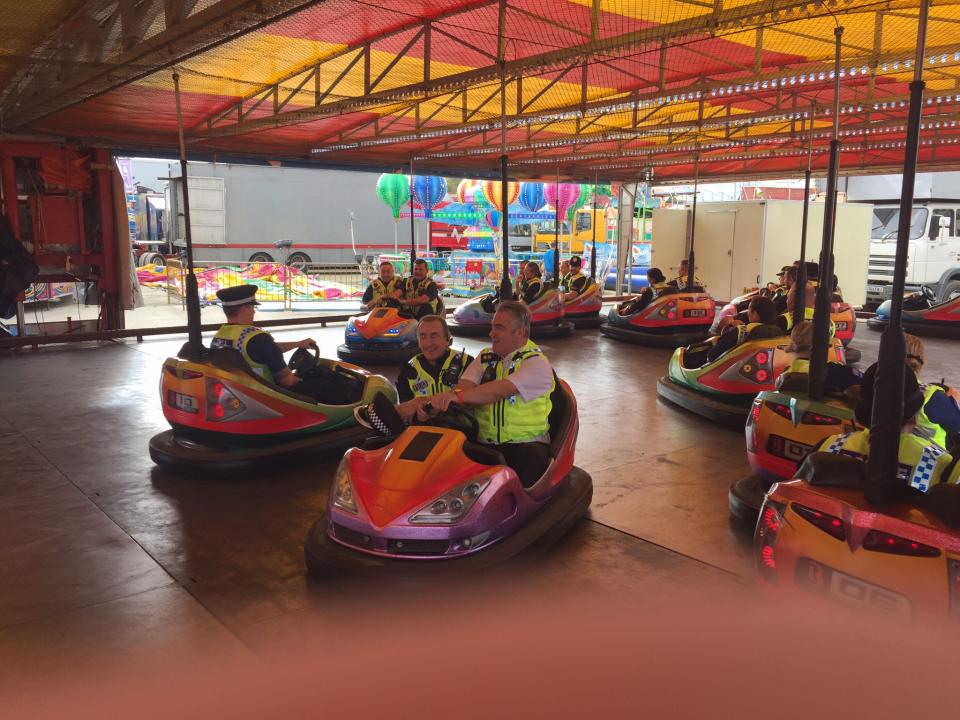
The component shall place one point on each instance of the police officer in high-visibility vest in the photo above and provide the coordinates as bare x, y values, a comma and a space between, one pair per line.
575, 281
681, 280
921, 462
261, 352
438, 367
762, 325
385, 285
939, 418
509, 387
520, 282
656, 286
533, 284
421, 295
839, 377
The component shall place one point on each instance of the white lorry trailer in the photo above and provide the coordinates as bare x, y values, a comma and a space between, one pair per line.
934, 252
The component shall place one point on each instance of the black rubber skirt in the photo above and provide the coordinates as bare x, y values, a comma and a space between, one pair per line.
852, 354
393, 356
468, 330
585, 322
745, 498
926, 329
667, 340
556, 519
560, 329
731, 414
185, 451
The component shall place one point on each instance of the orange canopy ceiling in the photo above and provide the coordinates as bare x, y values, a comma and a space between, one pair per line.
583, 88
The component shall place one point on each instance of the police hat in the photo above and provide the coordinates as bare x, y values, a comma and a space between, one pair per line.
237, 296
575, 260
912, 396
784, 269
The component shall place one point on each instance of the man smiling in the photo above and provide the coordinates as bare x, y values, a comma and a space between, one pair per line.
437, 367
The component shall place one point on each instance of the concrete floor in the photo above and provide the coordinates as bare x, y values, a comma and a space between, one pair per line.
99, 546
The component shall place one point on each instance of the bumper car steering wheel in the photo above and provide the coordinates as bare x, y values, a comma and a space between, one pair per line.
456, 417
929, 294
301, 362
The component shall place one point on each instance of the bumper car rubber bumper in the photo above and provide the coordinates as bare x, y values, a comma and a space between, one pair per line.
181, 449
585, 322
731, 414
563, 511
746, 497
387, 356
915, 327
548, 331
469, 329
651, 339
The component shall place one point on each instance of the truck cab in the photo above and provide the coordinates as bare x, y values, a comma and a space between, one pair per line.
583, 231
934, 252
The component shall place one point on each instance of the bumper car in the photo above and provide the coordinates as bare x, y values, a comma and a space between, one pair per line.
845, 321
385, 336
584, 310
723, 390
922, 315
818, 538
668, 321
432, 500
473, 319
224, 417
783, 427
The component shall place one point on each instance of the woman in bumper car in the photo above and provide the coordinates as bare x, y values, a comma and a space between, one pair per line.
657, 286
762, 323
939, 418
839, 377
922, 463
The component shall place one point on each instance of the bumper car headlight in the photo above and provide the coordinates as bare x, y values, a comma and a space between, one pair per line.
392, 332
343, 489
351, 329
453, 506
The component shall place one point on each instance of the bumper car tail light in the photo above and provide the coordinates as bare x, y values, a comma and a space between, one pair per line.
343, 497
170, 370
878, 541
828, 523
191, 375
812, 418
765, 538
780, 409
222, 404
453, 506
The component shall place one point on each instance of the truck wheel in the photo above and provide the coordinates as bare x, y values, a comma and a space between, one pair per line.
155, 259
261, 257
950, 290
298, 260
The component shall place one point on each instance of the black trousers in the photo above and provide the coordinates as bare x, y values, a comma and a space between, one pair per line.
528, 460
330, 389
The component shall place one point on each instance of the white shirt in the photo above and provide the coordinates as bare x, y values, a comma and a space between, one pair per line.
532, 380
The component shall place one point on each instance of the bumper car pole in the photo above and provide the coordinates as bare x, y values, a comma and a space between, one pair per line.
882, 484
800, 296
193, 350
593, 225
506, 286
821, 315
413, 227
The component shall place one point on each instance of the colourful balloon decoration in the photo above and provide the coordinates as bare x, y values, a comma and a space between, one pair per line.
429, 191
464, 190
531, 196
493, 219
394, 190
604, 193
479, 201
581, 200
562, 196
493, 192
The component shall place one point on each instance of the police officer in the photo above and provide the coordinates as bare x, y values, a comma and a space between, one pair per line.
922, 463
509, 387
839, 376
681, 281
657, 285
421, 295
574, 282
939, 418
262, 353
762, 324
533, 284
385, 285
437, 367
520, 283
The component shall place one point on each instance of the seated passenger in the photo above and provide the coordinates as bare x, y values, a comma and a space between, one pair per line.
575, 282
839, 376
520, 281
564, 271
657, 285
421, 296
386, 284
939, 419
762, 324
263, 354
533, 285
549, 257
922, 464
509, 388
437, 367
680, 282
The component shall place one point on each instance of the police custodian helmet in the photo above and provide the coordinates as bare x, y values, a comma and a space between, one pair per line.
237, 296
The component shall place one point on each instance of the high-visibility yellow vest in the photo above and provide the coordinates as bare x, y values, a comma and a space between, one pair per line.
237, 337
926, 428
513, 419
424, 384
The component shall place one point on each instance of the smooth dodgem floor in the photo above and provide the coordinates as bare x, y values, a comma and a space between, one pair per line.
98, 544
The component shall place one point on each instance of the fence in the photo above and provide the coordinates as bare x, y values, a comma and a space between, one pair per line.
279, 286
